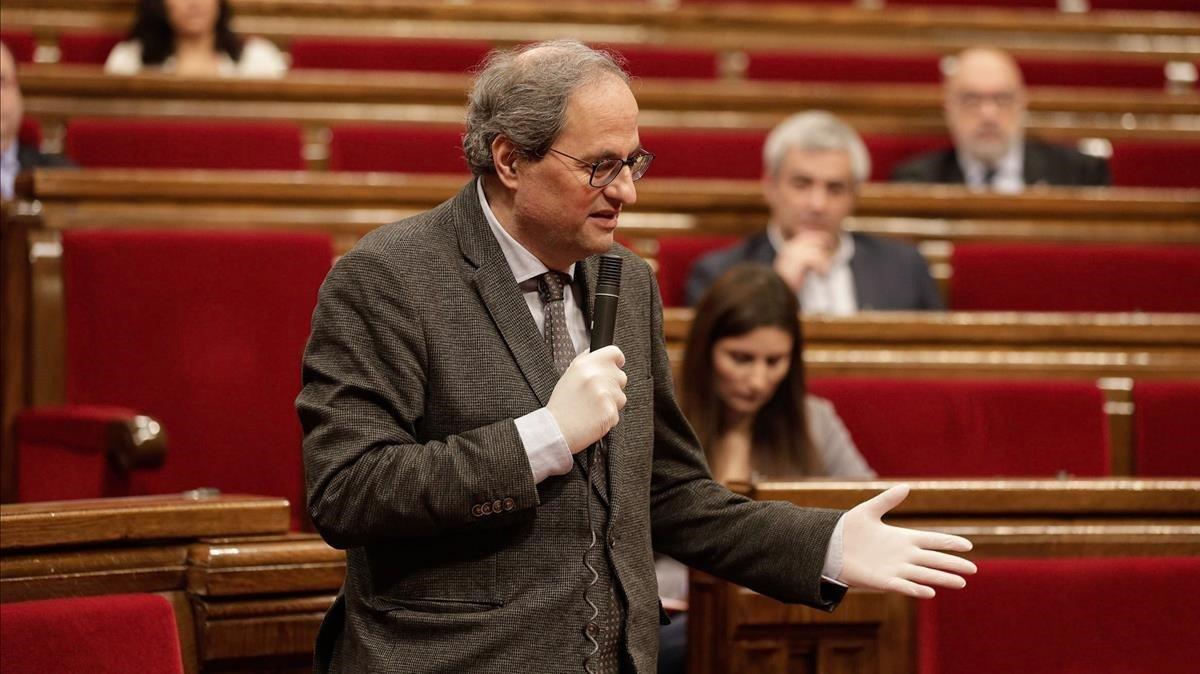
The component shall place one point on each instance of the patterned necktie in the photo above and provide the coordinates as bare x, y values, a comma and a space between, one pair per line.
550, 290
989, 177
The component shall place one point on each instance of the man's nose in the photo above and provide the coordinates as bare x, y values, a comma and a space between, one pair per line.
622, 188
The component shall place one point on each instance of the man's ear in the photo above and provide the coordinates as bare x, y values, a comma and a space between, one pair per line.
505, 158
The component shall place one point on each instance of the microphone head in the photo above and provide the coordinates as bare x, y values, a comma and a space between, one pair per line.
609, 279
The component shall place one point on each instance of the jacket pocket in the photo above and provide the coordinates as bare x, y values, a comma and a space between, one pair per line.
439, 605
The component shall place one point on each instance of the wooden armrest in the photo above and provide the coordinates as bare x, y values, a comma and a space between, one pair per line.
129, 440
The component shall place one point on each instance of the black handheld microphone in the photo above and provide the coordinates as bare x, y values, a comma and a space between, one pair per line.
604, 311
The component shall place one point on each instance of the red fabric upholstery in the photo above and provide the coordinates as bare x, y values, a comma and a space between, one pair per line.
87, 48
968, 428
203, 331
62, 452
704, 154
153, 143
1060, 73
21, 43
1166, 443
1161, 5
112, 634
407, 149
1035, 4
1033, 277
646, 61
443, 56
1065, 616
30, 133
675, 257
845, 67
1146, 163
888, 151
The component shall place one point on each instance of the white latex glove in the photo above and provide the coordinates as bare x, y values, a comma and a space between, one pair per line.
809, 250
883, 557
588, 398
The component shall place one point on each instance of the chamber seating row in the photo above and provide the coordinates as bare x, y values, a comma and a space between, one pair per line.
209, 144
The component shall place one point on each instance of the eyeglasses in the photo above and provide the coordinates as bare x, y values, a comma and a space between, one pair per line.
606, 170
974, 100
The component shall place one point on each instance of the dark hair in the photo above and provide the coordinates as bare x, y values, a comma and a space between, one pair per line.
745, 298
157, 37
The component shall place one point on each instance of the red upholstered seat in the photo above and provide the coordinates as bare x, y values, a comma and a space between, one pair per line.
675, 257
666, 62
1065, 616
888, 151
112, 634
843, 67
203, 331
1099, 73
973, 428
399, 148
87, 48
1161, 5
704, 154
1166, 443
1147, 163
21, 44
1033, 277
30, 133
155, 143
442, 56
1029, 4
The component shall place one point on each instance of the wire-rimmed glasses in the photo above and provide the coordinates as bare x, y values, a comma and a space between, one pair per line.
605, 171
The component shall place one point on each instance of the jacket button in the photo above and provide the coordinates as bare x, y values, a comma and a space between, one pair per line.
509, 504
612, 540
476, 510
497, 506
486, 508
592, 629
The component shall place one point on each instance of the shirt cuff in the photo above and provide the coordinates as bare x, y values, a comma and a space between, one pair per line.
545, 445
833, 555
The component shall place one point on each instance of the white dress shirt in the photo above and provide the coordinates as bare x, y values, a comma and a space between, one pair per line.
1010, 171
10, 166
831, 293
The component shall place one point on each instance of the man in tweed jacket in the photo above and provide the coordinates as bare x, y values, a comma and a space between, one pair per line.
439, 435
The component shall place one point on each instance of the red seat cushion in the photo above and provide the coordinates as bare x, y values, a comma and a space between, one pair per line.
1095, 73
112, 634
204, 331
153, 143
843, 67
21, 44
443, 56
1148, 163
705, 154
1031, 277
406, 149
1065, 616
87, 48
31, 133
676, 255
888, 151
666, 62
967, 428
1164, 421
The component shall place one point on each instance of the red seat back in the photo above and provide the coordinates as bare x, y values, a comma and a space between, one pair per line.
1032, 277
1166, 443
399, 148
705, 154
967, 428
21, 44
154, 143
676, 254
1065, 616
843, 67
204, 331
87, 48
111, 634
30, 134
666, 62
888, 151
442, 56
1147, 163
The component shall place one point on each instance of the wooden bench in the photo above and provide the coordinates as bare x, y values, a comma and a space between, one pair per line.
733, 629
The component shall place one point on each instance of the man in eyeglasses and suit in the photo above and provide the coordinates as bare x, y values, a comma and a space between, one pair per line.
985, 108
498, 487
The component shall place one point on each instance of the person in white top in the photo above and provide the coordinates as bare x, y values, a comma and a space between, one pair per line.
192, 38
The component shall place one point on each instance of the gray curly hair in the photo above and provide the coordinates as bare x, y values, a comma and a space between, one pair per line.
522, 94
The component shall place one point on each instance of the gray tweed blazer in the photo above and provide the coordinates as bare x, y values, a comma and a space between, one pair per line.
422, 354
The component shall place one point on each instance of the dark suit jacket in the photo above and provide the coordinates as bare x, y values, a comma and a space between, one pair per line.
888, 275
1044, 163
422, 354
30, 157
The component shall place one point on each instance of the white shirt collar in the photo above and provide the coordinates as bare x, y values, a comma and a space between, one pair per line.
1010, 170
524, 264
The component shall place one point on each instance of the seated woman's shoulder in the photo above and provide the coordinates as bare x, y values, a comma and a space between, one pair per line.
124, 59
261, 58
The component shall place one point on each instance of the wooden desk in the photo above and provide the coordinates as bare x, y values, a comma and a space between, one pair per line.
248, 595
733, 629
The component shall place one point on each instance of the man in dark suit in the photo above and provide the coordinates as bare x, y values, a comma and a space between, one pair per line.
813, 164
984, 104
496, 515
15, 157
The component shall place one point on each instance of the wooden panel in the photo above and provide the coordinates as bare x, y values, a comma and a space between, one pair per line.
14, 336
92, 521
296, 563
93, 571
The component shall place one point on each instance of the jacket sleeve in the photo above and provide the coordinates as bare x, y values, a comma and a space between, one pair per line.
771, 547
368, 477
